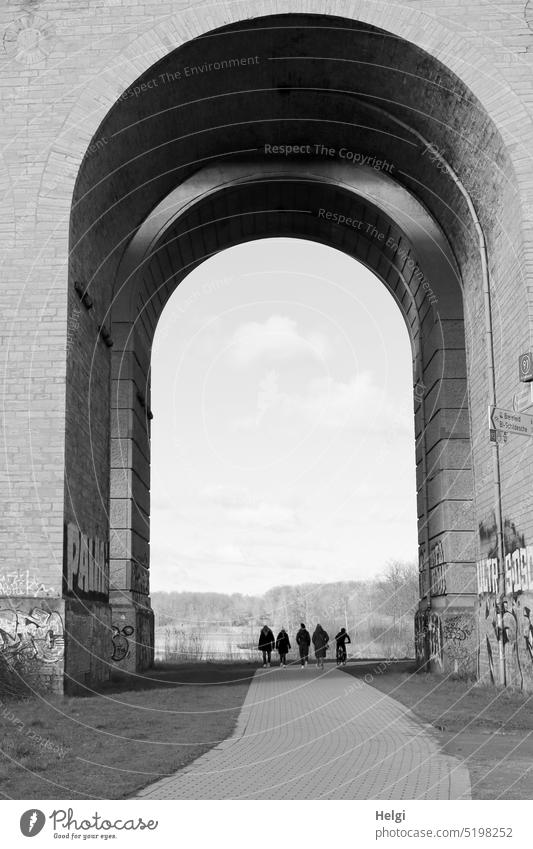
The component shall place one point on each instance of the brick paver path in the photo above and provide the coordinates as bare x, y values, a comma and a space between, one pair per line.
303, 734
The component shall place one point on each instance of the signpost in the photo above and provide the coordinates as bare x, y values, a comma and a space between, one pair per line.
523, 398
525, 367
508, 421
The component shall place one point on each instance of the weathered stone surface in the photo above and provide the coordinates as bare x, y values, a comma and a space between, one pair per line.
459, 92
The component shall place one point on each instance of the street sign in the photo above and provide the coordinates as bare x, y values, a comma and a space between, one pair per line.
523, 399
525, 367
510, 421
498, 435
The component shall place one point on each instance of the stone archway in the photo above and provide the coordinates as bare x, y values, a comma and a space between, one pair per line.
394, 112
194, 183
363, 213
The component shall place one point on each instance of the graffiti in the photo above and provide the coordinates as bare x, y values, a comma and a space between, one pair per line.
487, 575
511, 537
422, 572
86, 563
38, 635
438, 569
457, 629
435, 647
121, 644
423, 584
139, 578
436, 557
488, 620
518, 572
420, 638
438, 580
446, 640
73, 327
428, 637
24, 583
437, 566
145, 639
506, 630
457, 632
528, 633
515, 635
490, 659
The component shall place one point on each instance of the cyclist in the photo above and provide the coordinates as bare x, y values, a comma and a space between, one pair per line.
341, 639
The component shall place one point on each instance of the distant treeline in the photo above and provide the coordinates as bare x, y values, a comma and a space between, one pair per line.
380, 610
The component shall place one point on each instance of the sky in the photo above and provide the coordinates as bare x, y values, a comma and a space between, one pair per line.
283, 431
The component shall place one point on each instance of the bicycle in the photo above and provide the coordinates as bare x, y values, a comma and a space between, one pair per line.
341, 655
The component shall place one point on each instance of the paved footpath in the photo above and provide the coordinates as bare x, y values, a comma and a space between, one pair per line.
302, 734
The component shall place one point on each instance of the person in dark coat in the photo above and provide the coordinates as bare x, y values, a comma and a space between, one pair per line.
266, 644
341, 639
320, 642
283, 645
303, 640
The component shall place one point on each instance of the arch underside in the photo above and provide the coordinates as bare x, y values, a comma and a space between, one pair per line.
357, 210
189, 170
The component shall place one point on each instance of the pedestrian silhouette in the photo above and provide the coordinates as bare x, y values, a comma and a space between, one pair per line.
266, 644
303, 640
283, 645
320, 642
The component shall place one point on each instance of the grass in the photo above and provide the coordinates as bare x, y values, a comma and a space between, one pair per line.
490, 729
108, 745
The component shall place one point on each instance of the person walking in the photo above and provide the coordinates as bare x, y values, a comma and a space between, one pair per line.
320, 642
283, 645
266, 644
303, 640
341, 639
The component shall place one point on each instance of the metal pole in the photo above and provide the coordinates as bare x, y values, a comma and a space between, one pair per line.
501, 566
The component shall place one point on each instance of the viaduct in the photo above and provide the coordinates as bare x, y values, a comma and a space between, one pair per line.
139, 138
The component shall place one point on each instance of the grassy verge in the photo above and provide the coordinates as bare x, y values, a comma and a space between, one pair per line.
108, 745
490, 730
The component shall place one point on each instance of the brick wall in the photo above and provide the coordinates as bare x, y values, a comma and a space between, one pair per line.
56, 94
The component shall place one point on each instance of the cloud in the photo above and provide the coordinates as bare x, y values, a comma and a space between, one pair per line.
227, 495
242, 508
265, 515
327, 403
230, 553
276, 338
337, 404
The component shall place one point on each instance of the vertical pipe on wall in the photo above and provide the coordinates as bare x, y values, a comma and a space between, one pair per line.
427, 564
497, 478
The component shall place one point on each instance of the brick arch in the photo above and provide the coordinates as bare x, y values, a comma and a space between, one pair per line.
443, 41
122, 182
224, 205
461, 199
57, 456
